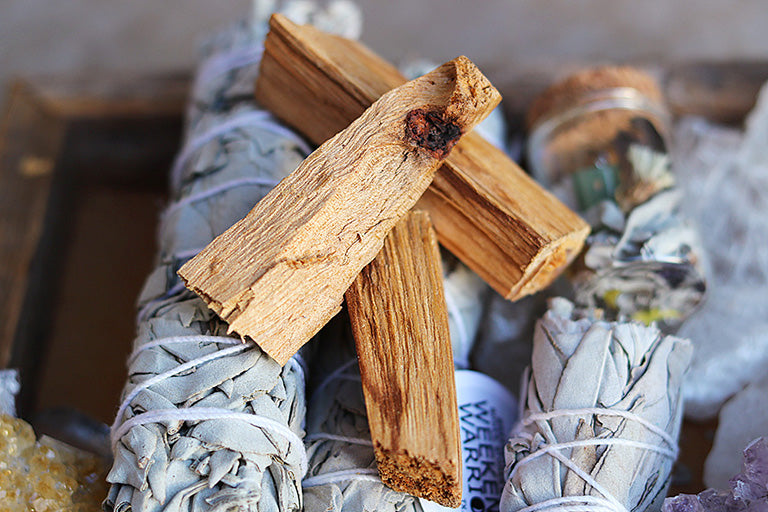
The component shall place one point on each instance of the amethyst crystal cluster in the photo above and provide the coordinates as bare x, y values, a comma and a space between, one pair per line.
748, 493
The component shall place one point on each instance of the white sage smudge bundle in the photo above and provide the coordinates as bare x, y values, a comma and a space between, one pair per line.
601, 416
342, 467
208, 422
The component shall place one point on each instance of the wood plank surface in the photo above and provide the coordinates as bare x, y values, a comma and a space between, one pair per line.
63, 137
30, 142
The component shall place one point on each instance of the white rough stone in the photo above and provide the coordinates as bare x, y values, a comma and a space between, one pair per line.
724, 176
742, 419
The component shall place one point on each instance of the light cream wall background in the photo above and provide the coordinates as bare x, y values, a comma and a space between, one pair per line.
503, 36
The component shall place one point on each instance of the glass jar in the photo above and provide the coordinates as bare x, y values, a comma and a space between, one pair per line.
598, 140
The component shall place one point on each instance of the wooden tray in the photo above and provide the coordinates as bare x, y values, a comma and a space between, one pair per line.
83, 167
83, 164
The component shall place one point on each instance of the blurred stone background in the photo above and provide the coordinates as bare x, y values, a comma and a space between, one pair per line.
505, 37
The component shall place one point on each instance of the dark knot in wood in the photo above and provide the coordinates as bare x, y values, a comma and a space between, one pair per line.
431, 131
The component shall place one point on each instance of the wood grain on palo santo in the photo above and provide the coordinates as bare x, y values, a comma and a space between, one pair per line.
400, 322
485, 209
279, 274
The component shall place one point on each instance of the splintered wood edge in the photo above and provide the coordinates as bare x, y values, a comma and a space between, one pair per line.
438, 481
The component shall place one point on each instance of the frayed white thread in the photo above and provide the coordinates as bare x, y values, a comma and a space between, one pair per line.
218, 189
211, 413
348, 475
323, 436
250, 119
222, 64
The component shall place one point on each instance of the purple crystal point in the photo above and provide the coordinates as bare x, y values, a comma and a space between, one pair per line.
752, 483
748, 493
683, 503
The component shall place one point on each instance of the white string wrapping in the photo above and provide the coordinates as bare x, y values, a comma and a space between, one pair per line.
146, 308
610, 502
347, 475
552, 449
192, 414
579, 360
249, 119
174, 340
574, 504
600, 411
170, 373
338, 373
221, 64
218, 189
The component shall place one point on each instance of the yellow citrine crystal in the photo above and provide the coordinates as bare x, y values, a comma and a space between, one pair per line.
46, 475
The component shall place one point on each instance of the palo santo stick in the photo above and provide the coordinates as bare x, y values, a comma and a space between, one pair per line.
278, 275
486, 210
400, 322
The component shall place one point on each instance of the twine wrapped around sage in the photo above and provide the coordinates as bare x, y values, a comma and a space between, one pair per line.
601, 416
208, 422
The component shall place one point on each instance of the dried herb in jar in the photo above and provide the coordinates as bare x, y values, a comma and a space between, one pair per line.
599, 141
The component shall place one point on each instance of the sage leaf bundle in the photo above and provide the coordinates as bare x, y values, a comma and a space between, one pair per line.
209, 422
601, 416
